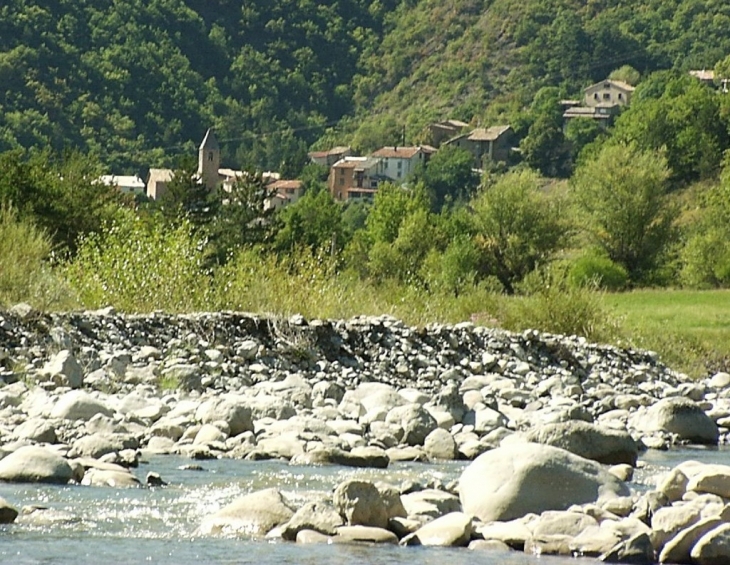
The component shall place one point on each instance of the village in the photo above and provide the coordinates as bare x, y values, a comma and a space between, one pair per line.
357, 177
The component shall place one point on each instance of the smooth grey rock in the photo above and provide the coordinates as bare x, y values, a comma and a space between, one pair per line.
451, 530
415, 421
360, 504
609, 447
8, 513
79, 405
682, 417
252, 515
32, 464
514, 480
318, 516
64, 370
713, 548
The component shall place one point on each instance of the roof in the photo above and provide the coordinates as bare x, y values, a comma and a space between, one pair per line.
617, 83
703, 75
355, 163
397, 152
487, 134
122, 180
284, 184
339, 150
160, 175
209, 141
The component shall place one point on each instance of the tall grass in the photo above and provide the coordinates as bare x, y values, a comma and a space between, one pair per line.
25, 273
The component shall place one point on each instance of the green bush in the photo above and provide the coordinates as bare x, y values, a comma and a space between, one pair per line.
25, 275
141, 266
596, 269
552, 304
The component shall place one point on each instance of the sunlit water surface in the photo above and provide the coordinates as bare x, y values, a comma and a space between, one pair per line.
110, 526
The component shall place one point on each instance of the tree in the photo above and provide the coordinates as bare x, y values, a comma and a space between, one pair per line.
448, 177
544, 149
242, 218
517, 227
186, 197
315, 221
623, 192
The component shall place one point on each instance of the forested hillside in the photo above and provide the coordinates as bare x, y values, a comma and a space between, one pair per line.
137, 82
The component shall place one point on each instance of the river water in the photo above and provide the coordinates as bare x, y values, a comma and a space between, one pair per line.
124, 526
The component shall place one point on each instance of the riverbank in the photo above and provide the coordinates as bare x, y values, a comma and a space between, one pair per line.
98, 391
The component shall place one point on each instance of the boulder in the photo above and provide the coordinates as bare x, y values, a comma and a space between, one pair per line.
713, 548
110, 478
440, 444
609, 447
712, 479
364, 534
63, 369
415, 421
38, 430
452, 530
678, 548
430, 503
564, 523
682, 417
230, 409
637, 549
252, 515
79, 405
360, 504
318, 516
514, 480
373, 457
8, 513
32, 464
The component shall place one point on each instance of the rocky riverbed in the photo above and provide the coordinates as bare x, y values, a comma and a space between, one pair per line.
553, 426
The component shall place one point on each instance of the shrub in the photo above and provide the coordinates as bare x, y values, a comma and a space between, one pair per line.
553, 304
140, 266
594, 269
25, 274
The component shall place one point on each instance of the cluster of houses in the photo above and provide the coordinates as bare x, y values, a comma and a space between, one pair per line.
353, 177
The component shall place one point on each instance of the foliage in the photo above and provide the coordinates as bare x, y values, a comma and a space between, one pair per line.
595, 269
315, 221
517, 227
553, 304
140, 266
61, 194
448, 177
623, 191
25, 273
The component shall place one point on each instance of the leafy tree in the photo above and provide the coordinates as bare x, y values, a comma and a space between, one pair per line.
681, 116
186, 197
517, 227
544, 149
242, 218
623, 191
315, 220
448, 177
627, 74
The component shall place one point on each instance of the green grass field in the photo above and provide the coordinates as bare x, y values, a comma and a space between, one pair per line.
690, 329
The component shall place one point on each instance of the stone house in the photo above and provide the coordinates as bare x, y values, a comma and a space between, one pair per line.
329, 158
495, 143
396, 163
124, 183
354, 177
601, 101
284, 192
445, 130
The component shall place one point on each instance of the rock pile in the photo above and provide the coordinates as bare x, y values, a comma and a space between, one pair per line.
87, 394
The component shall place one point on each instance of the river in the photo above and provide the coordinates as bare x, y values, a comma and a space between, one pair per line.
157, 525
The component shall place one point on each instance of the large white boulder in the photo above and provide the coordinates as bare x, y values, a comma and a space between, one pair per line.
588, 440
679, 416
79, 405
252, 515
514, 480
32, 464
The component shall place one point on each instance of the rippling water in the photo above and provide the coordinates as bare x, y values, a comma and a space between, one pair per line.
109, 526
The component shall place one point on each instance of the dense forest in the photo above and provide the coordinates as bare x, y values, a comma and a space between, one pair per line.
136, 83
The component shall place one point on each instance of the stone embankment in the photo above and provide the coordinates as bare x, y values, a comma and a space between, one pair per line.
541, 416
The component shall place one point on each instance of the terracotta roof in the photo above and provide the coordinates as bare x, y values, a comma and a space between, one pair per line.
487, 134
397, 152
339, 150
284, 184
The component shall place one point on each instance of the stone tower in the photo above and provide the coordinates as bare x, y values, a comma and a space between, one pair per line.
209, 160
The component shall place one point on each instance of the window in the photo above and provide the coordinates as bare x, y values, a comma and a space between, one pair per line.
342, 181
607, 96
620, 96
400, 164
210, 156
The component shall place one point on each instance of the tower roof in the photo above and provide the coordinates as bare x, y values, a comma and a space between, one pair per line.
209, 141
